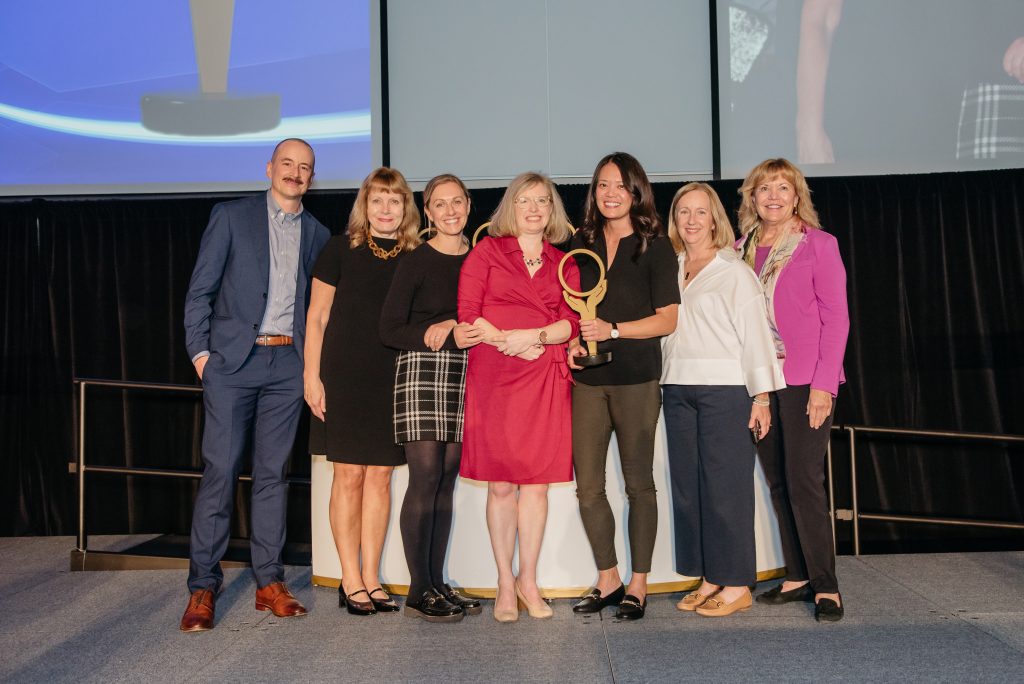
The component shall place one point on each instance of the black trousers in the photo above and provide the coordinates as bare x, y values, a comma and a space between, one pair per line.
793, 458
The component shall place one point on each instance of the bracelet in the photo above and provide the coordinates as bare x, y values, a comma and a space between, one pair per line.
761, 402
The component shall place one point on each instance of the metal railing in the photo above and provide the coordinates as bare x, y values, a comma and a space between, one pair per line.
854, 513
81, 467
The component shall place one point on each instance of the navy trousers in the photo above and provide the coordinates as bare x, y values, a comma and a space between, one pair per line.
711, 464
257, 405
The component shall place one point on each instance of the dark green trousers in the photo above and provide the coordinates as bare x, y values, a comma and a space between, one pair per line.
631, 412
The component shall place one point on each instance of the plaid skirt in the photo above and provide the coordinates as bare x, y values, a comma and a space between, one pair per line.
429, 396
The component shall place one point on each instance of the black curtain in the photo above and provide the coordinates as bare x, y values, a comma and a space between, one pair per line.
94, 288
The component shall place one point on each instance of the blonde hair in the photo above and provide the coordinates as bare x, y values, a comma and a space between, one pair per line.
384, 179
433, 184
503, 220
721, 230
766, 170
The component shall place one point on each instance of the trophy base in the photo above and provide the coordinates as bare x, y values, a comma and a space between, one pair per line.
593, 360
198, 114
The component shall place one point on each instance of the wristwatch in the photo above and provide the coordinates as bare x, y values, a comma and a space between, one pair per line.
615, 331
542, 337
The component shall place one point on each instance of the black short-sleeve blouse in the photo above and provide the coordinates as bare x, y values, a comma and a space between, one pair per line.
635, 289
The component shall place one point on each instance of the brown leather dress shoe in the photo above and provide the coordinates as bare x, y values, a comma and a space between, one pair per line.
198, 616
277, 599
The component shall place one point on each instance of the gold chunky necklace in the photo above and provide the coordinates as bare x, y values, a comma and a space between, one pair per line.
379, 252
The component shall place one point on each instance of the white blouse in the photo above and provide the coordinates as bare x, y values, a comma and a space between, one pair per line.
722, 335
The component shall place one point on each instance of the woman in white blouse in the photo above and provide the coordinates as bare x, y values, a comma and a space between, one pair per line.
718, 368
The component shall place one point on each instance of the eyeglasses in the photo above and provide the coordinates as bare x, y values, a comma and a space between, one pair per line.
543, 201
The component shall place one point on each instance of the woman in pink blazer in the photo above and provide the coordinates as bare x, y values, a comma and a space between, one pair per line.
805, 291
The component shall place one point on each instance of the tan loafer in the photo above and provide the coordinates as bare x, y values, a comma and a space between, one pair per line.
715, 607
694, 600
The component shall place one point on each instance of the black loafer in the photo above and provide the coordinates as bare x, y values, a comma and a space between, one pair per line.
469, 606
387, 605
355, 607
827, 610
631, 608
775, 596
433, 607
593, 602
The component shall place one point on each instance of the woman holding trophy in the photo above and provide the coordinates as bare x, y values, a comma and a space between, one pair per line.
639, 305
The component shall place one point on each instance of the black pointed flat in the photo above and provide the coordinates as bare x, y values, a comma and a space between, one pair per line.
631, 608
775, 596
593, 602
827, 610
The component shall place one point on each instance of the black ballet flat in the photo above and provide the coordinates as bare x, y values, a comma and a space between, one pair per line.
593, 602
387, 605
631, 608
827, 610
433, 607
775, 596
469, 606
355, 607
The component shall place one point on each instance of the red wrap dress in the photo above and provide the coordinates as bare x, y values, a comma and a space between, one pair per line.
518, 423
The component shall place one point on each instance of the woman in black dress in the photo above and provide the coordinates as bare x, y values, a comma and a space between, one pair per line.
349, 376
419, 319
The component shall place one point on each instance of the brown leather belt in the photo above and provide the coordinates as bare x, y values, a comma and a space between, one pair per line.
273, 340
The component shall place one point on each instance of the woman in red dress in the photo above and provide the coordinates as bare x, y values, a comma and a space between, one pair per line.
518, 423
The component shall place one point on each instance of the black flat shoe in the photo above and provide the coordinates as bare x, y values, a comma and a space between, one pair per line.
433, 607
593, 602
827, 610
355, 607
469, 606
631, 608
775, 596
386, 605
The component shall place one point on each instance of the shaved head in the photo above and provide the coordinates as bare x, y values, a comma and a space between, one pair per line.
279, 145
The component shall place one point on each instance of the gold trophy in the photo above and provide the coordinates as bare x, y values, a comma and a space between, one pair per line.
585, 304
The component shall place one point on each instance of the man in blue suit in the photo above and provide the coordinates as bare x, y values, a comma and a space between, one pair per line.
245, 323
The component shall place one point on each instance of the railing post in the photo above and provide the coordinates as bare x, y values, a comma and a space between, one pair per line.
853, 489
81, 466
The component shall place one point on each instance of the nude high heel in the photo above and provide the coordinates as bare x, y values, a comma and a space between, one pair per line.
541, 611
504, 614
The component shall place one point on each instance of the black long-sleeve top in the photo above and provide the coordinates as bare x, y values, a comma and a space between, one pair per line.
424, 291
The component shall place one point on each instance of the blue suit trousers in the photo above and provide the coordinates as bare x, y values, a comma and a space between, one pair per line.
256, 406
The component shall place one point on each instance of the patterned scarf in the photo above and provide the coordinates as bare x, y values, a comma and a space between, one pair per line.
782, 252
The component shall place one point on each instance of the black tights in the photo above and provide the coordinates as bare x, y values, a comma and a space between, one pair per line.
426, 519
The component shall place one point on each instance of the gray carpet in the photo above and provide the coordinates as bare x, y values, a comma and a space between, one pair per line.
935, 618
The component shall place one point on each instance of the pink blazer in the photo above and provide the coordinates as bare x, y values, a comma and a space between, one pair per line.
811, 313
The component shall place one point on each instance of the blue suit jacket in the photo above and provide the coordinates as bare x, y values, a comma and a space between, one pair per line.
227, 295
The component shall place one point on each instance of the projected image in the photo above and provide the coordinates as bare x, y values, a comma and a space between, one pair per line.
872, 86
171, 95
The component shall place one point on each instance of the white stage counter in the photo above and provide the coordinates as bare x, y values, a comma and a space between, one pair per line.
566, 562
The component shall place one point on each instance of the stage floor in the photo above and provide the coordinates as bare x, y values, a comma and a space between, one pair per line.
935, 617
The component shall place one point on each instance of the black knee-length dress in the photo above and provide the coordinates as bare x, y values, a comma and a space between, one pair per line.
357, 370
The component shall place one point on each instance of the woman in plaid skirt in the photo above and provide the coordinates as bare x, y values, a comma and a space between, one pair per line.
419, 319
